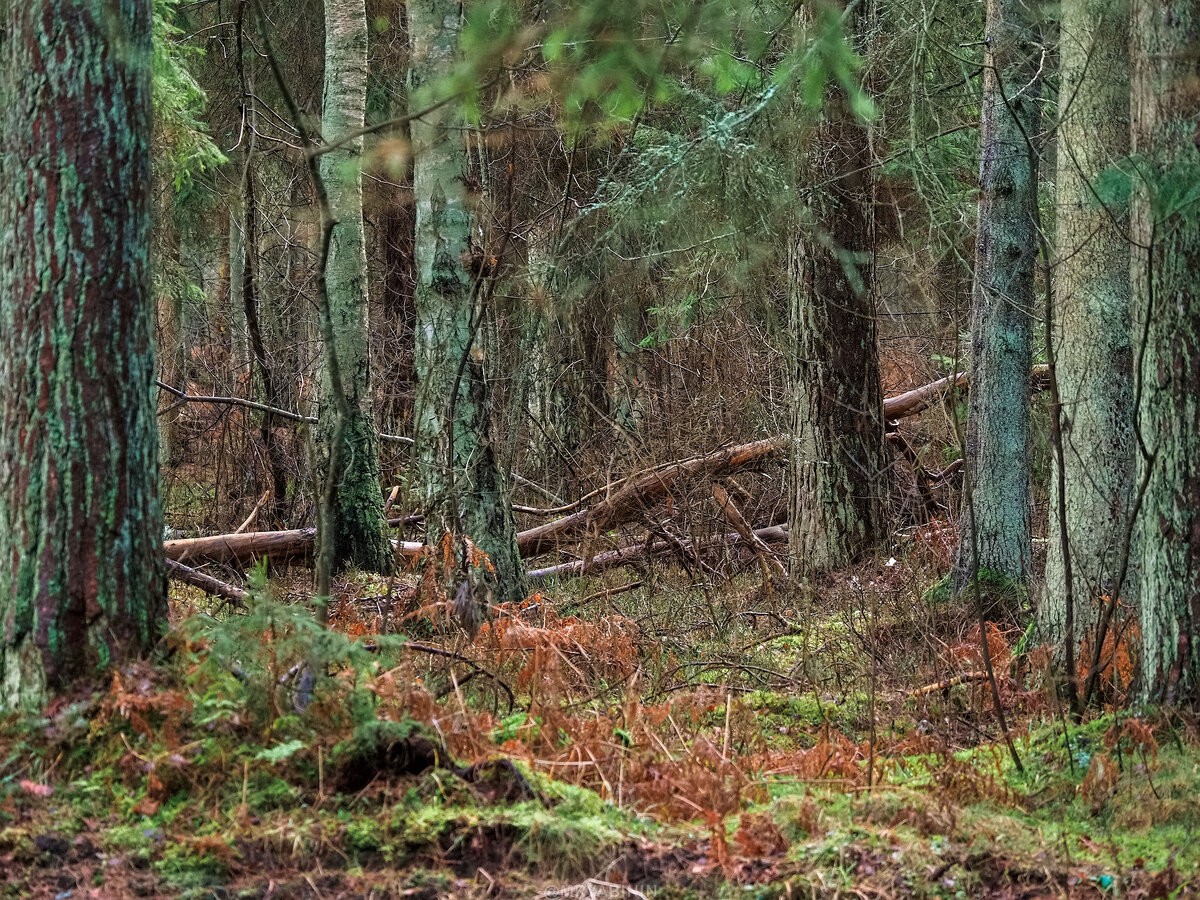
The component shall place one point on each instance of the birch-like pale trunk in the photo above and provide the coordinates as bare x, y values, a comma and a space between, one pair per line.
462, 488
358, 529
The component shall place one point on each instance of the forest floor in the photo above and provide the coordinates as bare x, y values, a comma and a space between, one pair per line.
664, 741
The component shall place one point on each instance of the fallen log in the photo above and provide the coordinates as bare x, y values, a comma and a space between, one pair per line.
637, 492
920, 398
632, 495
965, 678
641, 491
771, 566
611, 559
177, 571
298, 542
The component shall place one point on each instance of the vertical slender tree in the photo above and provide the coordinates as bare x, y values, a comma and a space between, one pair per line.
249, 267
1165, 109
172, 355
463, 489
995, 520
356, 526
1092, 346
81, 572
837, 455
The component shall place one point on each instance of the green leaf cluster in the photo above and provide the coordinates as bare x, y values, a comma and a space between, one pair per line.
186, 153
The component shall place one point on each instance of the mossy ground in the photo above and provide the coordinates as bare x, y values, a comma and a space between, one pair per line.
729, 758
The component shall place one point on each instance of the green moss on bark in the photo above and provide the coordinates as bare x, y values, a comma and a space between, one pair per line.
359, 530
81, 579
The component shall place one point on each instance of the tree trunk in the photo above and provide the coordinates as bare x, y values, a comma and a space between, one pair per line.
996, 518
81, 570
1093, 355
356, 520
1165, 110
462, 488
172, 354
837, 456
627, 392
239, 341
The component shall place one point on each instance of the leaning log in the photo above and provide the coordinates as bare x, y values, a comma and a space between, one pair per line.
633, 495
641, 491
611, 559
920, 398
177, 571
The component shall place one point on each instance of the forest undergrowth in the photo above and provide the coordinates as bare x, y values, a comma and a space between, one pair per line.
638, 736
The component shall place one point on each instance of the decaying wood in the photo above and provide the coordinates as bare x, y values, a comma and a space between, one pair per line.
636, 494
254, 512
611, 559
912, 402
179, 572
387, 506
768, 561
624, 500
298, 542
185, 397
965, 678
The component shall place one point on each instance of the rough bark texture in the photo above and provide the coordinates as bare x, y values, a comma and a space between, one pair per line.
462, 488
358, 529
1166, 304
81, 571
1093, 352
997, 458
837, 454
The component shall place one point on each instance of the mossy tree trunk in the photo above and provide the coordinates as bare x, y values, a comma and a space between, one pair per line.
357, 526
996, 520
837, 454
1093, 350
1165, 110
462, 487
81, 571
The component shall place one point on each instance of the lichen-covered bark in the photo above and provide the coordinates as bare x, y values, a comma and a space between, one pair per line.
462, 488
1093, 352
1166, 309
837, 415
81, 572
358, 527
997, 459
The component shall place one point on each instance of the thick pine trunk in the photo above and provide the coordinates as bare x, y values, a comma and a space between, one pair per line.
81, 570
1093, 354
837, 452
463, 490
357, 523
1166, 302
996, 520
